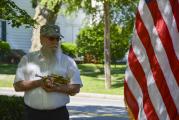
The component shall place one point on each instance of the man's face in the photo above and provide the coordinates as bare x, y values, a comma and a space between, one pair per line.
50, 43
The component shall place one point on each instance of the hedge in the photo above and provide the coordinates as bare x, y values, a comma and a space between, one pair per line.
11, 108
69, 49
4, 49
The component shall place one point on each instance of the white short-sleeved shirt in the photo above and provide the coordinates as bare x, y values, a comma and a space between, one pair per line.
34, 63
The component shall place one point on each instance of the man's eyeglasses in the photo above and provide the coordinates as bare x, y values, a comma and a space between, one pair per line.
54, 38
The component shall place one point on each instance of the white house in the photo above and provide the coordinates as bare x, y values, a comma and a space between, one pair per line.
20, 38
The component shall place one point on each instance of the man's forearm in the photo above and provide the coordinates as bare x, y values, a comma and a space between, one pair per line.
69, 89
26, 85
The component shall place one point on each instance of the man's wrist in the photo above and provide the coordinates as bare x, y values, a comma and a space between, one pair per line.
62, 89
39, 82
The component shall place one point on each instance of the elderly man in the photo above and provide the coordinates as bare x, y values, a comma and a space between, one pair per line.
43, 99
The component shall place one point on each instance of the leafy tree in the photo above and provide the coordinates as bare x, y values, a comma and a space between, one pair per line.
107, 12
15, 15
90, 42
103, 10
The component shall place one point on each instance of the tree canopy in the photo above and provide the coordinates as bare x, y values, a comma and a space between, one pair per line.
15, 15
121, 11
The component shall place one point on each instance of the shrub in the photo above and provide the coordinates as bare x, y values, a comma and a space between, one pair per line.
69, 49
11, 108
4, 49
90, 43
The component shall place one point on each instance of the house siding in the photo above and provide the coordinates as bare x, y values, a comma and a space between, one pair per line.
71, 25
19, 38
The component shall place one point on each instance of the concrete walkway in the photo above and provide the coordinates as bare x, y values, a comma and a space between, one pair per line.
88, 106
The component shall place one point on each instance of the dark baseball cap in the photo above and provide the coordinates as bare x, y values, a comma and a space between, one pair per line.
50, 30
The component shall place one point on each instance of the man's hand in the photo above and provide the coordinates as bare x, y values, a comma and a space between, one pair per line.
53, 79
69, 89
48, 84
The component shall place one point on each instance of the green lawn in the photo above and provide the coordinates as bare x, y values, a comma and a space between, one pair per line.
7, 74
92, 76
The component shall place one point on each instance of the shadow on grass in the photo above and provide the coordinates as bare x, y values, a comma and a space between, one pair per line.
119, 70
118, 84
8, 68
93, 70
90, 67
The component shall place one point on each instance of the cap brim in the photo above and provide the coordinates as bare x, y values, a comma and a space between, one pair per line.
62, 36
53, 35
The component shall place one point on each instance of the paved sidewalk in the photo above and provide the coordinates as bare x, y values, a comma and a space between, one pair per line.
88, 106
8, 90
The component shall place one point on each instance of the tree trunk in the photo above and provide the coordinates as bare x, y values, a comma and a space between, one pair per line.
107, 56
42, 16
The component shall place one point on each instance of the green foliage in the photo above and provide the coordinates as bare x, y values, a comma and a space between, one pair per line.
15, 15
4, 50
75, 5
11, 108
52, 5
90, 41
4, 47
69, 49
123, 11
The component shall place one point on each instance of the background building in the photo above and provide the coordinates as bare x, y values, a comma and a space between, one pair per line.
20, 38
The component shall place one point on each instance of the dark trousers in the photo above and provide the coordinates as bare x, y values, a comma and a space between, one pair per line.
56, 114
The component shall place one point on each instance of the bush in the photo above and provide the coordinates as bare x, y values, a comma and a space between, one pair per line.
4, 49
11, 108
90, 43
69, 49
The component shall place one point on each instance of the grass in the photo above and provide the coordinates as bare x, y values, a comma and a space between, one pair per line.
92, 76
9, 69
7, 73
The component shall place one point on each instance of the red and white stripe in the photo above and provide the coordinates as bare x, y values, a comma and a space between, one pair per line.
153, 62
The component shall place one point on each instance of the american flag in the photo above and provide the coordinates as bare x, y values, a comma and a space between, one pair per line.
151, 85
